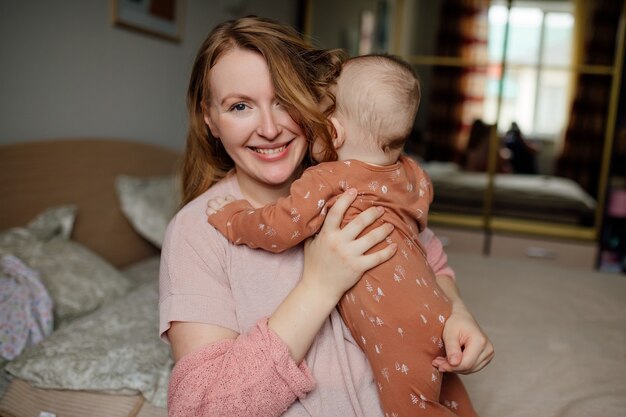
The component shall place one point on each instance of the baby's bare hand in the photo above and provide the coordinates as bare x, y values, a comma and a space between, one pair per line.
215, 204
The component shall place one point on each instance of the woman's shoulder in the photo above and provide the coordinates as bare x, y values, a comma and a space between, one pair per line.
191, 220
197, 206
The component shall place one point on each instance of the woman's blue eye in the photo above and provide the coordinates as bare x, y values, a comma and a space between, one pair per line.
238, 107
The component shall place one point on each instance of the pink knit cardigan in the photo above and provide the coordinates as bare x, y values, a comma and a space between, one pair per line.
251, 375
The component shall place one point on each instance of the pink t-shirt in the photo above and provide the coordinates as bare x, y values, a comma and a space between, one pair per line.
205, 279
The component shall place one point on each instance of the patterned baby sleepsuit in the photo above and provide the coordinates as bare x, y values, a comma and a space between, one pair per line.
396, 312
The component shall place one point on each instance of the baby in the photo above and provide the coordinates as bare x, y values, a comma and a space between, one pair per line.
396, 312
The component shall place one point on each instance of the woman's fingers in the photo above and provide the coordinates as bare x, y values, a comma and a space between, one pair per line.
484, 361
334, 217
350, 233
485, 356
376, 258
372, 237
475, 357
362, 221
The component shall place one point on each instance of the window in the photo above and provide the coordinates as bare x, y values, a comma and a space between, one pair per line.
537, 67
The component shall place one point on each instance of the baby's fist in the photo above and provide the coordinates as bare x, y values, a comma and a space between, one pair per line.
215, 204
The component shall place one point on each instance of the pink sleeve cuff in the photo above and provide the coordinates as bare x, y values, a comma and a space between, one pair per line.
435, 254
251, 375
298, 378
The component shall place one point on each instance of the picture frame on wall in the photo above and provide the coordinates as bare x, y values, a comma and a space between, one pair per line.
161, 18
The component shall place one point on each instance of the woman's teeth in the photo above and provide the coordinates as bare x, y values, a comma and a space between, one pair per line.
270, 151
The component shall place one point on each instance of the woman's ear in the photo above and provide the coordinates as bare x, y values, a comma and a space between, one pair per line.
209, 122
339, 135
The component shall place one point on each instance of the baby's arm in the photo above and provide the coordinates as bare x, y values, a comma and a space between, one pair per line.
274, 227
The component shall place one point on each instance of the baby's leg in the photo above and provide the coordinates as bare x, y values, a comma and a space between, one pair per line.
396, 313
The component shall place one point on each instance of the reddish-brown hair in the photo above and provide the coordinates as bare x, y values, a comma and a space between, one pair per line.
301, 75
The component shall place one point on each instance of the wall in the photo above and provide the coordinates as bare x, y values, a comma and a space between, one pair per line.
339, 29
66, 71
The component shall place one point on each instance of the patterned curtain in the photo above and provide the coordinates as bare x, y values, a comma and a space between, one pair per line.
581, 155
457, 93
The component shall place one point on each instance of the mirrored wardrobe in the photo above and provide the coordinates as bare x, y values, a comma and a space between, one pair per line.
518, 112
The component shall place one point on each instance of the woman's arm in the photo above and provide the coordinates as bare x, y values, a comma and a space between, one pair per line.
334, 262
214, 364
468, 349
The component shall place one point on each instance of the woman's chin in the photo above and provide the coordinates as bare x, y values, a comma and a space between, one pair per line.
281, 171
279, 177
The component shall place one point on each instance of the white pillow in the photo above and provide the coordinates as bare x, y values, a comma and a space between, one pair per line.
149, 204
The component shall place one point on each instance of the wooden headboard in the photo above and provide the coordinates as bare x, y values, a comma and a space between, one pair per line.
41, 174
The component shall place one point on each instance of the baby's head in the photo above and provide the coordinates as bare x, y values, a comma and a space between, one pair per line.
377, 98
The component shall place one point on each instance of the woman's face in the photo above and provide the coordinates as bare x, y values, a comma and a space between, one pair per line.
265, 143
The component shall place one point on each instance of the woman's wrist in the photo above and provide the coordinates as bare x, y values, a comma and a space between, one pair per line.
298, 319
325, 297
448, 285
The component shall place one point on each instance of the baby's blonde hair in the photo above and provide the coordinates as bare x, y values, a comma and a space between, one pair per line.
380, 94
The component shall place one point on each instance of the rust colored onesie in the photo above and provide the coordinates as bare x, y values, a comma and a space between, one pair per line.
396, 312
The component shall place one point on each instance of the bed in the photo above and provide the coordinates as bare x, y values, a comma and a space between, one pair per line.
87, 214
560, 334
531, 197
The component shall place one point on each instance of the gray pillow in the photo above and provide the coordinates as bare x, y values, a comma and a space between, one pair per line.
149, 204
77, 279
115, 349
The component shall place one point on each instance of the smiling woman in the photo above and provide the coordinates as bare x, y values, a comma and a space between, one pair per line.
254, 101
245, 324
256, 131
291, 87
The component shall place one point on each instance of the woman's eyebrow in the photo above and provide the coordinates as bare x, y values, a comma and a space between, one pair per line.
235, 96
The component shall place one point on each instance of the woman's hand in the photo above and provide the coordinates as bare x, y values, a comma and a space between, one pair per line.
335, 259
468, 349
333, 262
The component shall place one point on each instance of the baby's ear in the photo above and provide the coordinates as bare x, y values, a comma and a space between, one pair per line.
339, 134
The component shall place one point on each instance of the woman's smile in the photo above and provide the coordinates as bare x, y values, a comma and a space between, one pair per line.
256, 130
273, 152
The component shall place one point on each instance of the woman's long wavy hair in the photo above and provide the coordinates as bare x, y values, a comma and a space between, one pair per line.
301, 75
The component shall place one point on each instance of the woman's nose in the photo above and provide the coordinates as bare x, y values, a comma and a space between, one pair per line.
268, 127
